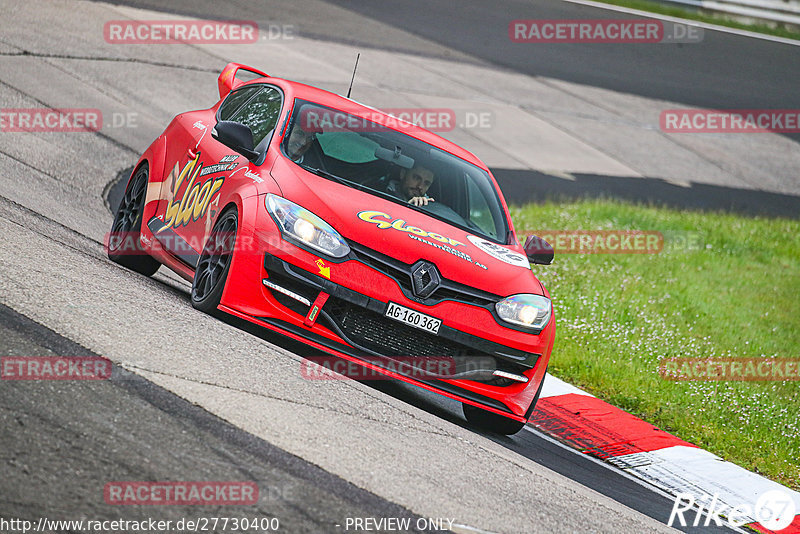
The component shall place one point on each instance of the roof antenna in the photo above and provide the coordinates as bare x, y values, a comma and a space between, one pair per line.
354, 75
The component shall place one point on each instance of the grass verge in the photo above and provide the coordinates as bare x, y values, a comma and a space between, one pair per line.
734, 291
705, 16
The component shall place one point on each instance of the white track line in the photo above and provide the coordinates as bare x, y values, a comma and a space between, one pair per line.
688, 22
620, 472
554, 387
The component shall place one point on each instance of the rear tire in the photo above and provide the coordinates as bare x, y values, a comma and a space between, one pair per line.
490, 421
215, 261
124, 245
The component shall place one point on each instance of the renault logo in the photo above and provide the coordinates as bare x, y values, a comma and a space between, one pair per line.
424, 279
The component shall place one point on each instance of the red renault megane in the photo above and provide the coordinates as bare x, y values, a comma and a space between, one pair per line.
350, 230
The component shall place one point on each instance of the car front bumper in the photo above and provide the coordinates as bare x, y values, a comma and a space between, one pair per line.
277, 283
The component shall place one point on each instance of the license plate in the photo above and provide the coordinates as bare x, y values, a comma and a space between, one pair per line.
413, 318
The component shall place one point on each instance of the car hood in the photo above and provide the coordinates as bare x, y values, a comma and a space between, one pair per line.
408, 235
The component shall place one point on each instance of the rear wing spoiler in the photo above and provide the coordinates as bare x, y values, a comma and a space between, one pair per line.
228, 81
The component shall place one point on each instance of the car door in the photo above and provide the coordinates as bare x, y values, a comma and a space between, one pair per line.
226, 169
203, 167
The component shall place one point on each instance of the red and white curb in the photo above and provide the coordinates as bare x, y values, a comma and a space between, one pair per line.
646, 452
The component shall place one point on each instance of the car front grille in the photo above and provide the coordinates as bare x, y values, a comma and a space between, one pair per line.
364, 327
401, 273
381, 335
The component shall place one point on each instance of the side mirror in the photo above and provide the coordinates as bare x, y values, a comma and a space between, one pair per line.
236, 136
538, 250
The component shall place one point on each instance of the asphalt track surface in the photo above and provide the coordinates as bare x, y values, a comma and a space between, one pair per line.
603, 478
724, 71
60, 442
63, 441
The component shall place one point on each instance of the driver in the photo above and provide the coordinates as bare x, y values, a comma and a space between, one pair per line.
299, 142
413, 185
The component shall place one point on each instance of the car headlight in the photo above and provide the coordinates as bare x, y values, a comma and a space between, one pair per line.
532, 311
304, 226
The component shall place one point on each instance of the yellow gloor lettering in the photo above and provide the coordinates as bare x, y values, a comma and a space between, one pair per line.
214, 188
188, 204
369, 216
175, 210
196, 198
202, 198
187, 169
399, 224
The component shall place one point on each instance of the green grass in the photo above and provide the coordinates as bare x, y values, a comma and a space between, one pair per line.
705, 16
736, 292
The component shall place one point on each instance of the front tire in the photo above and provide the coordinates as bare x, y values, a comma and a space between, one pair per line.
215, 261
124, 245
491, 422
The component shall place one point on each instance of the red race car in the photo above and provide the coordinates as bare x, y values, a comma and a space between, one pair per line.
350, 230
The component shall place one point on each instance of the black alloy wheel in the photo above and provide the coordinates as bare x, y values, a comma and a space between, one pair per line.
215, 261
124, 246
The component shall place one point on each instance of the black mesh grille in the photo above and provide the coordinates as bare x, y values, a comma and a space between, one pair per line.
294, 305
365, 328
380, 334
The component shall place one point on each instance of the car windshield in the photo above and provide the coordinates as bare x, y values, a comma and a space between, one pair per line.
384, 162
